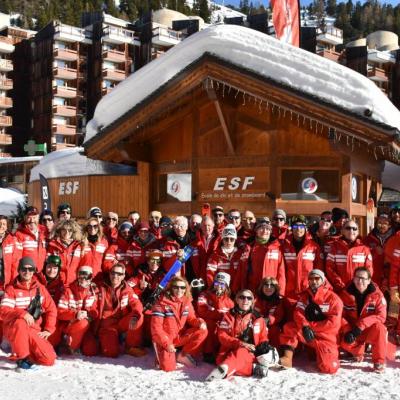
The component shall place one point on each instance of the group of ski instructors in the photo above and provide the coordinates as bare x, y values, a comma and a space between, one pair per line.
254, 292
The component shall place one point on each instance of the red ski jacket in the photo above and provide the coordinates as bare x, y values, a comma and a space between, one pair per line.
392, 256
138, 252
55, 287
274, 309
16, 301
92, 254
211, 307
10, 260
170, 316
343, 259
118, 253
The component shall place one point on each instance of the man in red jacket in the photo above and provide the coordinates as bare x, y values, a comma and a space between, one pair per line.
266, 258
8, 255
365, 315
345, 255
31, 238
29, 317
316, 323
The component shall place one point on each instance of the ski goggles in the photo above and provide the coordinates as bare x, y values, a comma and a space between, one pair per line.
197, 283
219, 284
85, 275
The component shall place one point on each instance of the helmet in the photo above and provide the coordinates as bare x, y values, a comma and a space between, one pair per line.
53, 259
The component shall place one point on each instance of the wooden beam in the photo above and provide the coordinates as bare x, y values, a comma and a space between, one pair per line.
213, 97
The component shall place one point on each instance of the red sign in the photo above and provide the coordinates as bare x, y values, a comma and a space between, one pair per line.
286, 20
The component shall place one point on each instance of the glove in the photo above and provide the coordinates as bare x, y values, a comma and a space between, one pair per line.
308, 334
394, 296
351, 336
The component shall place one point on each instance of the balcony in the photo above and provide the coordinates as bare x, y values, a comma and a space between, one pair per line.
66, 130
166, 36
114, 74
382, 57
65, 92
60, 146
64, 111
5, 139
114, 56
6, 45
5, 120
6, 65
6, 102
65, 73
116, 35
65, 54
6, 84
105, 91
377, 74
69, 33
6, 155
329, 54
330, 35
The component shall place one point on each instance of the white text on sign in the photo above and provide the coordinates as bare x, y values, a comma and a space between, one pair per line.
68, 187
234, 183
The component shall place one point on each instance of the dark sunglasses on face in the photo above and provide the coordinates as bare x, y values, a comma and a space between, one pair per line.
85, 275
351, 228
232, 217
115, 273
155, 261
93, 226
220, 284
279, 219
27, 269
242, 297
47, 219
112, 219
177, 287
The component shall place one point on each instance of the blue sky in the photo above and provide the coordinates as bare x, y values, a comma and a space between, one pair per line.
303, 2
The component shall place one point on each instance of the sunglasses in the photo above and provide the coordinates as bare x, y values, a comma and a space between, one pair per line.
298, 226
85, 275
279, 219
177, 287
219, 214
220, 284
115, 273
242, 297
314, 278
92, 226
361, 278
47, 219
155, 261
351, 228
231, 217
111, 219
65, 212
27, 269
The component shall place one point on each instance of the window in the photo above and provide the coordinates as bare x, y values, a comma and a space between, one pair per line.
313, 185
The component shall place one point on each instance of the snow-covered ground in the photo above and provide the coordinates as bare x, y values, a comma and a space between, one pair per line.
129, 378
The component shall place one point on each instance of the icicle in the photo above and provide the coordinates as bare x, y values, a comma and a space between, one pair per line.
237, 93
260, 107
244, 99
223, 90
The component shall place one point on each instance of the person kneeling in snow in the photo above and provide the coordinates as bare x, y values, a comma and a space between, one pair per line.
317, 317
174, 325
29, 317
244, 341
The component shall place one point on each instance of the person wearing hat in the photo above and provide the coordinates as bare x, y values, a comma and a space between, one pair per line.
316, 323
242, 333
29, 317
66, 244
321, 232
30, 238
118, 252
165, 226
365, 315
64, 212
95, 212
376, 240
395, 217
266, 258
143, 242
77, 309
111, 227
154, 221
301, 255
46, 219
346, 254
50, 277
339, 217
219, 219
212, 304
207, 241
230, 259
280, 229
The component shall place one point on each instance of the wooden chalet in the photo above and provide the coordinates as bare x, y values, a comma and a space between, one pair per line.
246, 141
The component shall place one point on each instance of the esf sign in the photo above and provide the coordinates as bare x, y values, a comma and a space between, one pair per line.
234, 183
68, 187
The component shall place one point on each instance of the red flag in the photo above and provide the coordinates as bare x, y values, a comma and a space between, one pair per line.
286, 19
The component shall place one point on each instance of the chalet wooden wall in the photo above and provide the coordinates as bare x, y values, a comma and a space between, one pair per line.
111, 193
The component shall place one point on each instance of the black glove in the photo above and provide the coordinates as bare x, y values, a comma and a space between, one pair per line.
308, 334
351, 336
262, 348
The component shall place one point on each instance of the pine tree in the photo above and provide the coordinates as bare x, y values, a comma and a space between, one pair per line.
129, 9
203, 10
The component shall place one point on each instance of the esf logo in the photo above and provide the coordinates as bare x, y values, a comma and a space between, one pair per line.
234, 184
68, 187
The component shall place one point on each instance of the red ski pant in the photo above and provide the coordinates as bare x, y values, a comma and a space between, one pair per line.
326, 350
211, 344
274, 333
239, 361
109, 335
190, 340
25, 342
376, 335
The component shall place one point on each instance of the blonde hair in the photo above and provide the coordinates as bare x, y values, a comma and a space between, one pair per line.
85, 240
70, 223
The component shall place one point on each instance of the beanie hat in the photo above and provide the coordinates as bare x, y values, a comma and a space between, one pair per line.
339, 213
94, 211
63, 207
217, 209
299, 219
165, 221
24, 261
229, 231
263, 221
317, 272
279, 211
125, 225
223, 277
143, 226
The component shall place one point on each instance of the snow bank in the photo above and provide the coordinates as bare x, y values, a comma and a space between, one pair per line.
129, 378
9, 200
72, 162
255, 51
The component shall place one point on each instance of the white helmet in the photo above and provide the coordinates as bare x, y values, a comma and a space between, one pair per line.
270, 358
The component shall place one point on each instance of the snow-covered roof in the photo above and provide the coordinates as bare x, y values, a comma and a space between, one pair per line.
72, 162
262, 54
9, 200
11, 160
